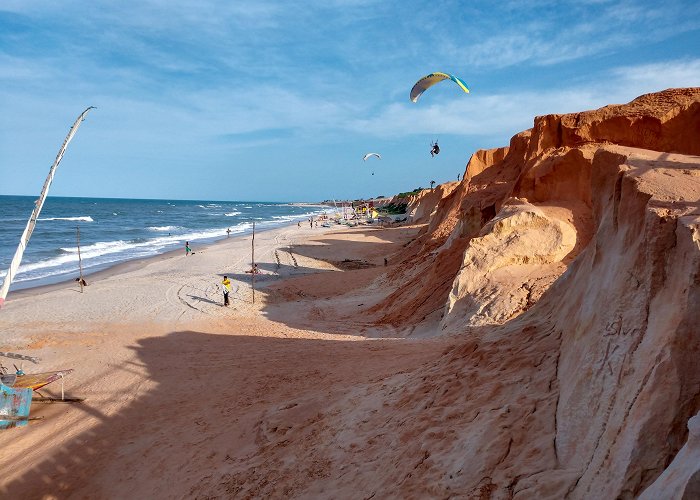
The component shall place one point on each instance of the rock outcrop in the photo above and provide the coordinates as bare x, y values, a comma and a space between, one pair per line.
423, 205
681, 480
493, 286
575, 257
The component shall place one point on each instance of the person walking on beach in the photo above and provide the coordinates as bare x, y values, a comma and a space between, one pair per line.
228, 233
188, 250
227, 289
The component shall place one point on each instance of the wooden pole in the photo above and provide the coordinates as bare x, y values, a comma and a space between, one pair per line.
80, 260
253, 259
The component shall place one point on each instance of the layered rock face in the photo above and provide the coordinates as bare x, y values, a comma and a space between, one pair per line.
423, 206
575, 255
627, 314
493, 285
550, 168
682, 478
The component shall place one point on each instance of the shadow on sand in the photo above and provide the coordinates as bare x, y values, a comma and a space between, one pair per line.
199, 420
300, 300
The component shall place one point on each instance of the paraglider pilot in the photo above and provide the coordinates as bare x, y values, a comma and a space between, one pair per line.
435, 149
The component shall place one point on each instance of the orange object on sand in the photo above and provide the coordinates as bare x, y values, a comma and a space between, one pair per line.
36, 381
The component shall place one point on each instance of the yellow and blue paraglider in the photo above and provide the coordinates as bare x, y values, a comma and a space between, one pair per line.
428, 81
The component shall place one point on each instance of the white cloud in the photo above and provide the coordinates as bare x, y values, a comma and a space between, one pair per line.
545, 33
662, 75
486, 115
507, 113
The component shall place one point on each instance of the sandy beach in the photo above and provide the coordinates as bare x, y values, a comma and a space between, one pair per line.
528, 332
176, 385
476, 231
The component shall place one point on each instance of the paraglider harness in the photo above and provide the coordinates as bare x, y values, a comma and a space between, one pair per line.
435, 149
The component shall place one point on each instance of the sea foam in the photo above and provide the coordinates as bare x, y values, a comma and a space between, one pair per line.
85, 218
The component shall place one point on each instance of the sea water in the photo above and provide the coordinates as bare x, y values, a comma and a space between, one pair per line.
117, 230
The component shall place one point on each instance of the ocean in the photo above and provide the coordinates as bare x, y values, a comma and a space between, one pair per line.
117, 230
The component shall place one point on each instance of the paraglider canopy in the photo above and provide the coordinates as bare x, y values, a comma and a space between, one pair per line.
428, 81
371, 154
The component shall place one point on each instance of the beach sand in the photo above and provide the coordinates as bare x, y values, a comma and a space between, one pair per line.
536, 337
176, 385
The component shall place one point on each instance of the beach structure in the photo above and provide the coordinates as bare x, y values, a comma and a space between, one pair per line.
17, 389
348, 212
14, 406
81, 280
15, 402
366, 210
16, 396
36, 381
29, 229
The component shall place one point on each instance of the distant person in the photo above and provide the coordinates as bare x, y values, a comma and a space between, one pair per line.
311, 222
188, 250
228, 233
81, 281
299, 224
226, 289
458, 175
435, 150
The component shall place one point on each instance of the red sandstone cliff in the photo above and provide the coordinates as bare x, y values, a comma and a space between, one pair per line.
569, 265
566, 269
582, 240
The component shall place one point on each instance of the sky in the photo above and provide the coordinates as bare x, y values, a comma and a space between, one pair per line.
280, 100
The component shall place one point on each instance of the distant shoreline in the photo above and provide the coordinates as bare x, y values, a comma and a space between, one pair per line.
113, 232
118, 198
116, 268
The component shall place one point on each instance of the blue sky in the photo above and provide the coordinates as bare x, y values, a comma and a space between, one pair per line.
280, 100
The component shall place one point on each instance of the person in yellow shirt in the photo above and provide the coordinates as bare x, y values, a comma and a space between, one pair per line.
227, 289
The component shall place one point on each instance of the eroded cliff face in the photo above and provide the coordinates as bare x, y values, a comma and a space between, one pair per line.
564, 272
663, 121
575, 257
565, 269
424, 205
549, 167
626, 311
492, 286
426, 268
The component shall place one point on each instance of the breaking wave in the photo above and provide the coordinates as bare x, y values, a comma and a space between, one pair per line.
85, 218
